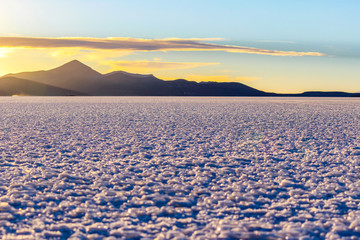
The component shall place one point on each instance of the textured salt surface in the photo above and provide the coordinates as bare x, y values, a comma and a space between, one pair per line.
179, 168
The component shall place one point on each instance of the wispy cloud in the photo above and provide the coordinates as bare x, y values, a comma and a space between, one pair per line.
138, 44
150, 66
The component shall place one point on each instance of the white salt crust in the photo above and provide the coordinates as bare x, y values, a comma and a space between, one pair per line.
179, 168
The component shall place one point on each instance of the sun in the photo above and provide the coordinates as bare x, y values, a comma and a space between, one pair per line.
4, 51
3, 54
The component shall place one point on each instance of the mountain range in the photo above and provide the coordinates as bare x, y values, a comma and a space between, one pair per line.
76, 79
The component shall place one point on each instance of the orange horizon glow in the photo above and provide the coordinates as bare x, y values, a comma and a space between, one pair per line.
220, 78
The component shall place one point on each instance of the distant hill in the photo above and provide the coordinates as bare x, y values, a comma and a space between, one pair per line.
10, 86
75, 78
321, 94
324, 94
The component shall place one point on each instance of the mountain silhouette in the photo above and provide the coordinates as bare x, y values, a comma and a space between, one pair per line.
73, 75
10, 86
76, 78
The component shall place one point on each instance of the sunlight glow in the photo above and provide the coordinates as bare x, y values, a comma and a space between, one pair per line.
145, 66
4, 51
220, 78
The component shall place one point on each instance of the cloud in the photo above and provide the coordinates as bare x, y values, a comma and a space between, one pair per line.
219, 78
138, 44
86, 54
149, 66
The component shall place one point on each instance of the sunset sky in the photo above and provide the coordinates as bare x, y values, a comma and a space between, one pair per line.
279, 46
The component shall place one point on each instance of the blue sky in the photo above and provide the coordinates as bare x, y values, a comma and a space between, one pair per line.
326, 27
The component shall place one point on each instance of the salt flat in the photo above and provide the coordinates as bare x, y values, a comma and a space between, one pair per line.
179, 168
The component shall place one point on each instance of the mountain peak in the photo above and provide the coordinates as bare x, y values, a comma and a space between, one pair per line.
74, 63
76, 67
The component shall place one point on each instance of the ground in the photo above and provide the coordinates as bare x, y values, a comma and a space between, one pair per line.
185, 168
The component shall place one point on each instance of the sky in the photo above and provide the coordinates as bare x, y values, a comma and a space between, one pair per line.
277, 46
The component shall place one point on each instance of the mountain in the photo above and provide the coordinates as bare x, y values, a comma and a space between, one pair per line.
10, 86
122, 83
127, 84
75, 78
130, 74
73, 75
